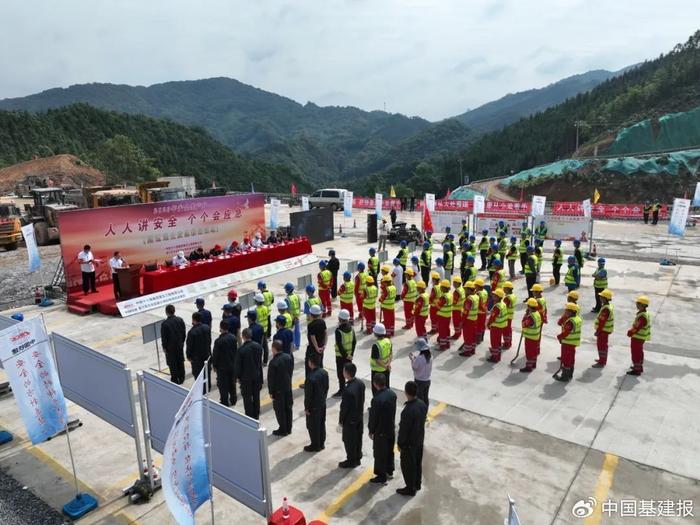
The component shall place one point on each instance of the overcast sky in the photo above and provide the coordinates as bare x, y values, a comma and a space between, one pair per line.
433, 58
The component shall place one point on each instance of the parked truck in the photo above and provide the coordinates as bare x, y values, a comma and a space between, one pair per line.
10, 226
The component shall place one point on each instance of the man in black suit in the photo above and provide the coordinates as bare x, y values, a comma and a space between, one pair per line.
199, 347
315, 394
172, 337
279, 384
381, 428
223, 360
352, 406
410, 441
248, 368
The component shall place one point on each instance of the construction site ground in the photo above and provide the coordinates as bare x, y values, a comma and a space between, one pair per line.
630, 442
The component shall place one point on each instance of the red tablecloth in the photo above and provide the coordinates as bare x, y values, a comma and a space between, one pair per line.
166, 278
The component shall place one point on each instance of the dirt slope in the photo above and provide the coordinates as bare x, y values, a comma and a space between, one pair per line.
59, 170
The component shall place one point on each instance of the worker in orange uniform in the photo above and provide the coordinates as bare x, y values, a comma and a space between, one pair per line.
360, 284
409, 294
444, 315
421, 309
496, 324
435, 293
604, 326
569, 338
532, 334
387, 302
537, 294
638, 334
325, 278
483, 309
346, 293
369, 304
511, 300
470, 313
458, 296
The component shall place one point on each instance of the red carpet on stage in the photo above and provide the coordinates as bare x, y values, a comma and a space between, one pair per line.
103, 301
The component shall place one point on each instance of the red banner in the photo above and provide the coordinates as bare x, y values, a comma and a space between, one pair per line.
150, 233
606, 211
502, 207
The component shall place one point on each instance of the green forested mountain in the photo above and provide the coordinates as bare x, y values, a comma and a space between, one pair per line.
315, 141
146, 146
495, 115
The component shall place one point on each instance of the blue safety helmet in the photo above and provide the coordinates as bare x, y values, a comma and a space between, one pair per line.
601, 261
19, 316
261, 285
322, 264
403, 244
372, 251
438, 260
484, 232
501, 223
289, 287
331, 253
429, 233
571, 259
557, 243
497, 262
541, 222
347, 276
360, 266
310, 288
470, 258
530, 249
577, 243
446, 246
426, 245
492, 239
448, 229
502, 233
513, 239
524, 224
494, 246
414, 259
472, 238
396, 260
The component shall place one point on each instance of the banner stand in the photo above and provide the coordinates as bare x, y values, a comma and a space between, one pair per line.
146, 428
207, 445
83, 502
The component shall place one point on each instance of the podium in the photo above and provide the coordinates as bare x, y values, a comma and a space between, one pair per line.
130, 281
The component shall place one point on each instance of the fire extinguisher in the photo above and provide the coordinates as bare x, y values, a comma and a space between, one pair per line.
38, 296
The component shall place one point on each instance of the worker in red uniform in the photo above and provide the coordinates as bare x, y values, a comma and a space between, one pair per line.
325, 278
537, 294
458, 296
444, 315
470, 314
638, 334
511, 300
346, 292
421, 309
483, 309
360, 284
604, 326
532, 334
435, 293
570, 338
387, 302
496, 324
409, 294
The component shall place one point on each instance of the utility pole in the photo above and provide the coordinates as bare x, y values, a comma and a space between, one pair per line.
461, 178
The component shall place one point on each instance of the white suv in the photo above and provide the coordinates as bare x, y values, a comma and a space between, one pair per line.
332, 198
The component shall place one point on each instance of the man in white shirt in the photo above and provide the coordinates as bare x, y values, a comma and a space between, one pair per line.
114, 263
180, 259
87, 267
397, 277
257, 241
383, 234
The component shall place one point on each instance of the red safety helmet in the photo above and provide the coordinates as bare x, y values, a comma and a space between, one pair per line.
217, 247
232, 295
234, 243
246, 240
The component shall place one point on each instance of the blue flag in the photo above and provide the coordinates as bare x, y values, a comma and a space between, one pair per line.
185, 466
25, 352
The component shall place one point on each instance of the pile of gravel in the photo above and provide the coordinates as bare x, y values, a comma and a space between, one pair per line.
20, 506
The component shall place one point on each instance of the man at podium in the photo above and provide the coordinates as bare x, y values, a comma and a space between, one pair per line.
116, 262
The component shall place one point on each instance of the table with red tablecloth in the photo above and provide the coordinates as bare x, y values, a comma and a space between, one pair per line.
171, 277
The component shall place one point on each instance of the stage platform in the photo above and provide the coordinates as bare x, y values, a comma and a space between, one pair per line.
103, 301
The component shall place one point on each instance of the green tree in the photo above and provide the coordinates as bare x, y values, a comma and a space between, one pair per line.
121, 159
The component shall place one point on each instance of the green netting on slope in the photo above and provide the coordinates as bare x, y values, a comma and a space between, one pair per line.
463, 193
547, 171
676, 130
669, 163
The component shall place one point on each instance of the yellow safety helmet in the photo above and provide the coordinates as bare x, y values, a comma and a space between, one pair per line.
572, 306
386, 268
606, 294
421, 284
499, 293
643, 299
469, 284
573, 294
508, 284
445, 283
369, 279
409, 271
457, 279
478, 281
532, 302
536, 288
434, 275
386, 278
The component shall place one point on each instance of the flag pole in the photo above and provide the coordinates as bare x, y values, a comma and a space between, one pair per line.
207, 387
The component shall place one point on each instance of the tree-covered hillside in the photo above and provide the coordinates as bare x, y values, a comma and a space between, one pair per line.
134, 147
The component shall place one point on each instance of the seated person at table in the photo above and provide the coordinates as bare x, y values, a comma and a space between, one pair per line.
272, 238
197, 254
245, 245
257, 241
179, 259
216, 251
233, 248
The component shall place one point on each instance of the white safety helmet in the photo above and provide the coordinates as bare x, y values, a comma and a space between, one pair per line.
282, 304
258, 298
315, 310
344, 315
379, 329
180, 254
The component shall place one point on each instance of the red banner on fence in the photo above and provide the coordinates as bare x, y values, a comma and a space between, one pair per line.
503, 207
606, 211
